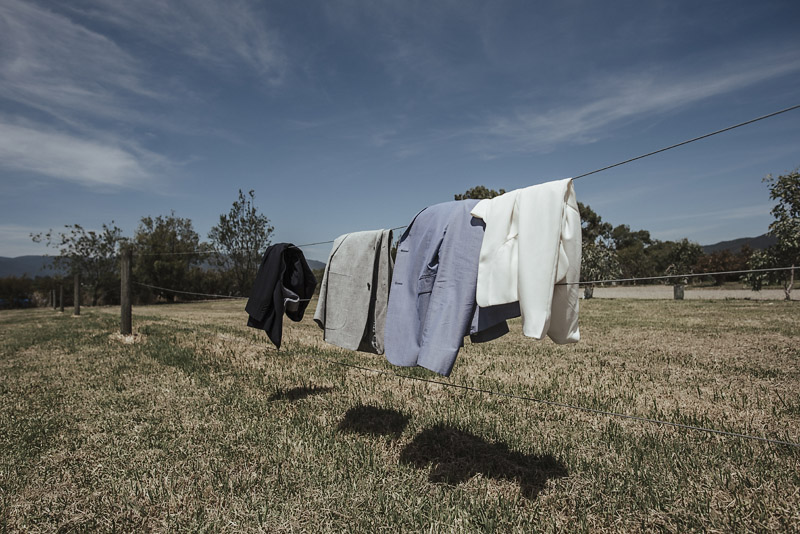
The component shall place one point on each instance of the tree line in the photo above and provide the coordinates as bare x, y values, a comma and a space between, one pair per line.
618, 252
169, 254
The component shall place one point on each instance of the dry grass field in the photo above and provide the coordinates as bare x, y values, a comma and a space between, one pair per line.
199, 424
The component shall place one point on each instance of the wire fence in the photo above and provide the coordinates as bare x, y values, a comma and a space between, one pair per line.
193, 293
585, 282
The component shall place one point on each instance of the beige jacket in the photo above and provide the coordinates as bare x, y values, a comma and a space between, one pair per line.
355, 291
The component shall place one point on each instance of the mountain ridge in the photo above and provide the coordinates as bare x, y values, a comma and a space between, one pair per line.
735, 245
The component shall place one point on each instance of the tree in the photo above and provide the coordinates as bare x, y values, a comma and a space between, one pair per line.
90, 253
786, 229
240, 239
624, 237
681, 257
598, 258
16, 292
598, 262
592, 226
759, 259
724, 260
167, 249
633, 251
479, 192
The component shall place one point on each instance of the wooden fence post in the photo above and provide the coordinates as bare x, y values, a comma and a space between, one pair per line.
677, 292
53, 298
77, 294
61, 297
125, 326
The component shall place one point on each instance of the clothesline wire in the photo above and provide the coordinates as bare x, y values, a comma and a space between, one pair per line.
676, 145
192, 252
203, 294
560, 404
188, 292
692, 140
332, 240
195, 252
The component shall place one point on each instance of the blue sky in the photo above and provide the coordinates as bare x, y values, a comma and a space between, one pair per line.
346, 115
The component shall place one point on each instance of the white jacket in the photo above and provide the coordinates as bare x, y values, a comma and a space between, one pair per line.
533, 242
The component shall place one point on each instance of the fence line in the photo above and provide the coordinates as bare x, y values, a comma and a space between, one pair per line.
644, 278
689, 275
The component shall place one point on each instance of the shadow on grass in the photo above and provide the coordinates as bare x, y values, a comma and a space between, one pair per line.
295, 394
457, 456
374, 421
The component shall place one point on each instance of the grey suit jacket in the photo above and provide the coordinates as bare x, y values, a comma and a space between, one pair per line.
432, 302
355, 291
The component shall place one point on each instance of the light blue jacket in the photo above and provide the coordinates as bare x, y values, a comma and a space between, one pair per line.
432, 298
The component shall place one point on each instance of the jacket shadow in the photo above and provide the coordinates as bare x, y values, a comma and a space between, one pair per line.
298, 393
373, 421
456, 456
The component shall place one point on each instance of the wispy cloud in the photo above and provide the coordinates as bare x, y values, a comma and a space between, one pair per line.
16, 240
220, 36
738, 212
707, 222
104, 101
68, 157
49, 63
614, 102
435, 45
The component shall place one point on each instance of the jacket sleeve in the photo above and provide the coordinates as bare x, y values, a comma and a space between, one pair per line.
549, 253
564, 326
376, 324
498, 258
261, 292
319, 313
297, 286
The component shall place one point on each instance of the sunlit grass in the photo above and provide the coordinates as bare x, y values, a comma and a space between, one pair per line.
200, 424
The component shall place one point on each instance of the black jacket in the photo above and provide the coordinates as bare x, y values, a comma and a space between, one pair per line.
284, 282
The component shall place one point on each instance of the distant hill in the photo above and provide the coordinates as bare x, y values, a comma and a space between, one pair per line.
756, 243
33, 266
